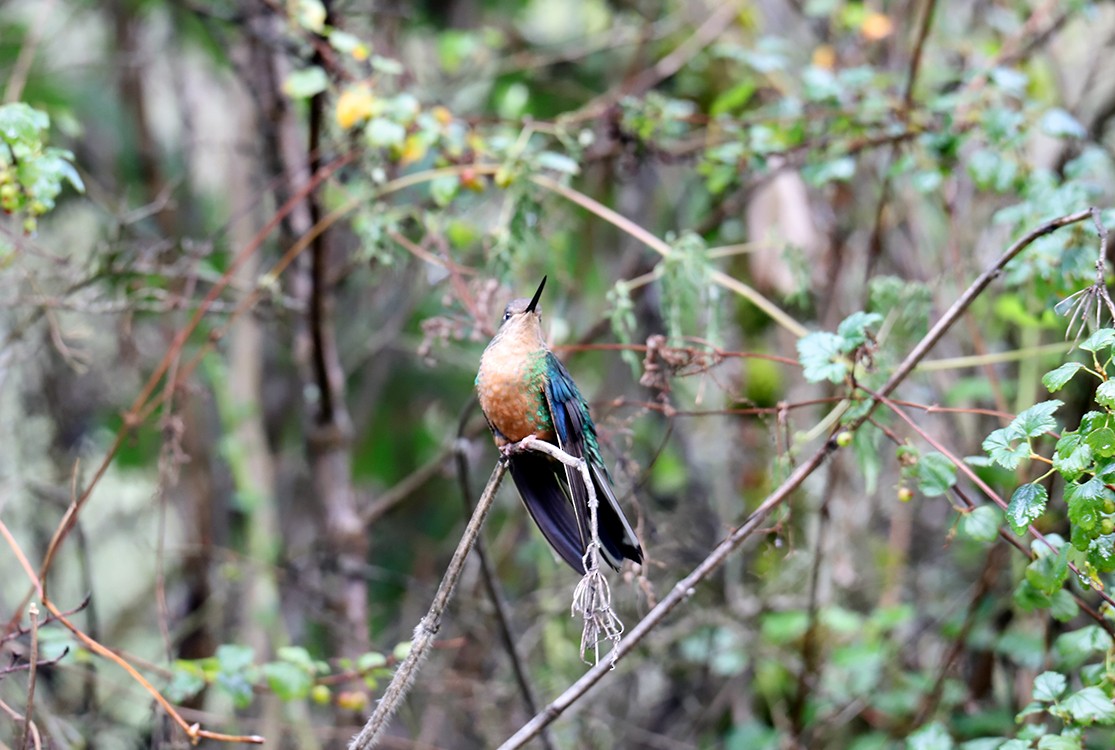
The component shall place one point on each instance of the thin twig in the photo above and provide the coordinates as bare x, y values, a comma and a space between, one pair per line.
429, 625
32, 672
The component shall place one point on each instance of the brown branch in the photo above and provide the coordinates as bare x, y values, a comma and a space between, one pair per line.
32, 673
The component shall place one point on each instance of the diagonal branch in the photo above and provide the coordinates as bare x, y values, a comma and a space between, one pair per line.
428, 626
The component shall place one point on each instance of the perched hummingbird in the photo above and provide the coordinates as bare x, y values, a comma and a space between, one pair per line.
525, 390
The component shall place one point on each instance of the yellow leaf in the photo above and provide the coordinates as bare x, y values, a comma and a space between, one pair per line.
414, 148
354, 106
876, 26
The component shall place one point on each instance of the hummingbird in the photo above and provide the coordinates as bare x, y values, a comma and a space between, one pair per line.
525, 390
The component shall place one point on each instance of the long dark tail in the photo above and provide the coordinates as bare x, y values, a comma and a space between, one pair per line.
544, 488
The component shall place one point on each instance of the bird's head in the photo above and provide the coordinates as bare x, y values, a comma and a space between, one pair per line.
523, 317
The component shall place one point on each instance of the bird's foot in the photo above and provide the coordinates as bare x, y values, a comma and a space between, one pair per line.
510, 449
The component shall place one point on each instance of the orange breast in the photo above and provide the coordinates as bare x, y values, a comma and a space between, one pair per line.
509, 386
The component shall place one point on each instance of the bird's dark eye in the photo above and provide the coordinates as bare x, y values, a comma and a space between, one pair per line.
507, 315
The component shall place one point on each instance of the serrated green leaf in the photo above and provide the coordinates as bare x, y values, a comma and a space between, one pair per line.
1037, 420
1090, 706
1102, 442
1101, 553
1055, 380
1085, 502
853, 329
287, 681
1048, 572
1027, 503
981, 525
1105, 394
1049, 686
1001, 448
935, 474
1101, 339
822, 357
1072, 456
1078, 646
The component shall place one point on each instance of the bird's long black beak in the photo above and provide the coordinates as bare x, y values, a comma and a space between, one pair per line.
534, 299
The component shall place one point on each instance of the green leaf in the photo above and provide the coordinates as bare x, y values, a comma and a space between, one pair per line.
1048, 572
1105, 394
233, 657
935, 474
370, 660
187, 680
1029, 598
1037, 420
1049, 686
822, 357
1055, 380
1026, 505
1072, 456
1000, 447
298, 656
1077, 646
930, 737
981, 525
288, 681
20, 123
1086, 503
1090, 705
302, 84
1069, 739
734, 98
853, 329
444, 189
1102, 442
1063, 607
1101, 339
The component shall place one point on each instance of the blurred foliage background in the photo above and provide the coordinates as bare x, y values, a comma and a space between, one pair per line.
253, 250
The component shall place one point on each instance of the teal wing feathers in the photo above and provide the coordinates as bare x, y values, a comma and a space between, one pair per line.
576, 435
